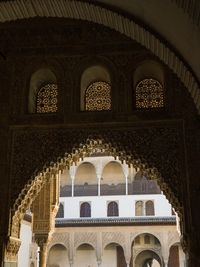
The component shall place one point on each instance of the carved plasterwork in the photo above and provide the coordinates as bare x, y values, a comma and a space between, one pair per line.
155, 151
12, 248
83, 237
59, 238
113, 237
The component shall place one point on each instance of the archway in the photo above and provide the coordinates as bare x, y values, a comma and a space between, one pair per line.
85, 253
58, 256
148, 258
91, 146
113, 255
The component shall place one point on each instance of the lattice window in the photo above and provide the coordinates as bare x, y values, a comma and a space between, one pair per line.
98, 96
47, 99
112, 209
139, 210
149, 94
85, 210
149, 206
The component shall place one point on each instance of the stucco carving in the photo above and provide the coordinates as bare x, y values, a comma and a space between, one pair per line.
59, 238
149, 149
113, 237
12, 248
81, 237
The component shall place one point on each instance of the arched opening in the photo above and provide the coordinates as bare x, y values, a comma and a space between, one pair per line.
95, 89
85, 254
113, 180
113, 255
43, 92
85, 181
112, 209
148, 258
57, 256
85, 207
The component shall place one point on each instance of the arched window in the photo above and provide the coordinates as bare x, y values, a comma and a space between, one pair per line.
149, 207
85, 210
112, 209
147, 239
139, 208
47, 99
149, 94
98, 96
60, 213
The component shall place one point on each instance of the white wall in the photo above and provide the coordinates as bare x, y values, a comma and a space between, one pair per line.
126, 205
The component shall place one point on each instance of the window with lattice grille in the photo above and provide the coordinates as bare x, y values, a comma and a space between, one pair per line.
149, 94
112, 209
85, 210
98, 96
47, 99
149, 206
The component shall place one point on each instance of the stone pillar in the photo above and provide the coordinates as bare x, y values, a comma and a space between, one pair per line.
42, 241
126, 171
72, 178
99, 175
99, 185
72, 172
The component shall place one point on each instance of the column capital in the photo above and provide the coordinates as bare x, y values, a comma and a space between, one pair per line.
12, 248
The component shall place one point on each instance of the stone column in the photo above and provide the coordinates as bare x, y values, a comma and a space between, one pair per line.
72, 172
126, 171
42, 241
99, 175
72, 178
99, 184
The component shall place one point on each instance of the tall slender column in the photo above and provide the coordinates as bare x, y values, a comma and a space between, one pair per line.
99, 184
42, 241
72, 172
99, 175
126, 171
72, 178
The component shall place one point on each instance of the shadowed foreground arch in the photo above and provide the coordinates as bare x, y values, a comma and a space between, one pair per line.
144, 148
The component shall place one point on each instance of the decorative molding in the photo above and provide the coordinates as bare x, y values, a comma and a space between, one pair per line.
19, 9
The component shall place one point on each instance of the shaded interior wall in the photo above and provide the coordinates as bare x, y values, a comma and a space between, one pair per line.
173, 257
57, 257
120, 257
